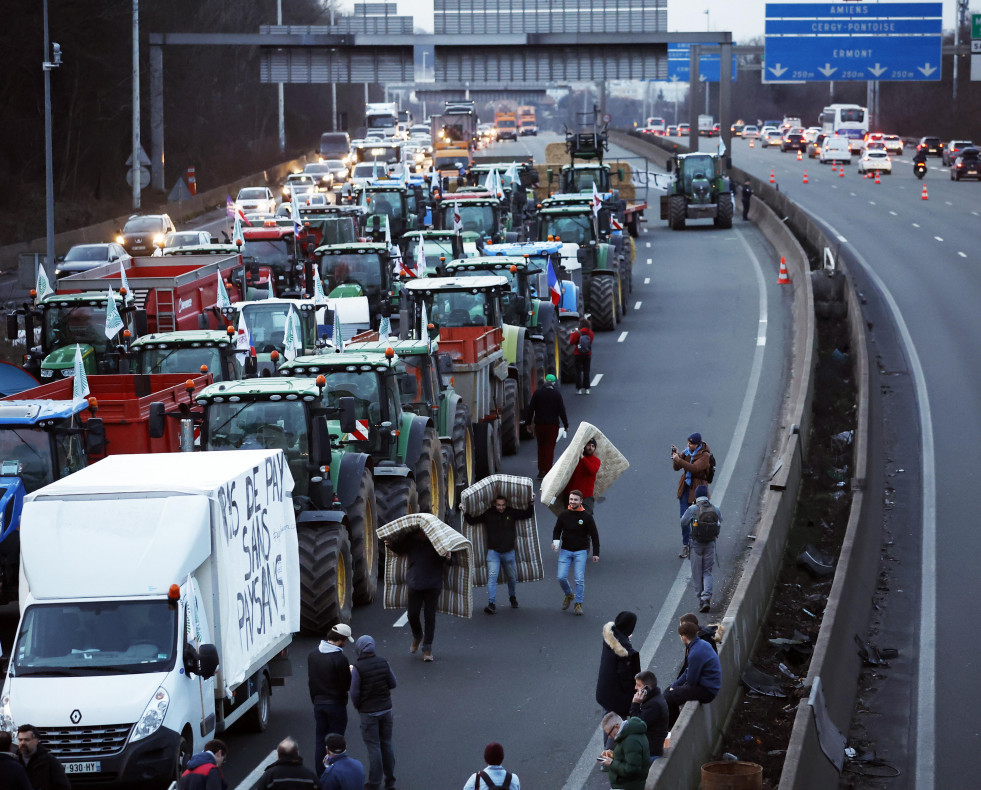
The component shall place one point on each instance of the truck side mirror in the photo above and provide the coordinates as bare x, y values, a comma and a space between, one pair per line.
207, 661
95, 436
158, 419
13, 326
671, 165
348, 421
140, 323
549, 175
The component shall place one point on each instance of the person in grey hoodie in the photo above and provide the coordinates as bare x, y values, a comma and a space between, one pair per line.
329, 678
703, 520
372, 681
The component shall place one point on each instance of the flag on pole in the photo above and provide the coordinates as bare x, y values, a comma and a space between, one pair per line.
457, 219
553, 283
388, 232
295, 216
113, 322
124, 283
384, 328
221, 297
597, 200
722, 147
489, 184
498, 184
512, 174
319, 297
338, 337
269, 286
243, 340
80, 386
424, 329
291, 340
238, 237
234, 211
420, 258
42, 288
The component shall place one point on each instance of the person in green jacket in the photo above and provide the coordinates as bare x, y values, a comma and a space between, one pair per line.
630, 760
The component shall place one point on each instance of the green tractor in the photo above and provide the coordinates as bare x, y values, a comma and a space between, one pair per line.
363, 269
191, 351
700, 190
440, 246
334, 488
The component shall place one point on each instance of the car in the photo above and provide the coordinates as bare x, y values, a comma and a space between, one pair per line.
793, 141
736, 130
875, 159
750, 131
875, 145
874, 137
316, 199
143, 233
186, 238
684, 129
83, 257
835, 149
338, 169
953, 149
255, 199
322, 174
967, 165
814, 147
811, 133
773, 139
932, 145
364, 172
894, 143
298, 184
671, 131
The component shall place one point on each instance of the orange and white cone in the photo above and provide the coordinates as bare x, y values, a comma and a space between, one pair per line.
841, 172
784, 277
877, 177
805, 177
923, 196
752, 144
799, 157
834, 166
773, 178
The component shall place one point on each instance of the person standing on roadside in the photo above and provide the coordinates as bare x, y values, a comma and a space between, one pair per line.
500, 526
424, 581
546, 410
584, 475
574, 532
619, 664
581, 341
703, 520
42, 767
12, 773
288, 771
372, 681
747, 195
693, 462
329, 679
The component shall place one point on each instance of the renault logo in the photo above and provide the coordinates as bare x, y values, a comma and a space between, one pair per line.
76, 716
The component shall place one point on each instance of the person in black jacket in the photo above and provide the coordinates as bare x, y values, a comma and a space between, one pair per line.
372, 682
648, 703
329, 679
574, 531
545, 410
425, 582
619, 665
500, 525
12, 773
43, 769
288, 772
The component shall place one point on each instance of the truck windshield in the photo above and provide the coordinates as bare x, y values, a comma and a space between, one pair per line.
65, 326
388, 203
30, 449
96, 638
461, 308
267, 326
362, 268
475, 218
277, 254
571, 228
434, 248
180, 359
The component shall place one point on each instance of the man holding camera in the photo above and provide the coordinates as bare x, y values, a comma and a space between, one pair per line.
693, 462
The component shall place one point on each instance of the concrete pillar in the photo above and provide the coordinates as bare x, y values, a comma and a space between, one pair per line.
156, 119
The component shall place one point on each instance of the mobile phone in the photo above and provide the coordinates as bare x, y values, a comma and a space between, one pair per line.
599, 759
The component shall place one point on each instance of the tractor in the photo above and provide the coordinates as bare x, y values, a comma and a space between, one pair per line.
700, 190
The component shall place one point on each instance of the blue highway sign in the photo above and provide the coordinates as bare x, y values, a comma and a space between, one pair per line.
709, 64
853, 41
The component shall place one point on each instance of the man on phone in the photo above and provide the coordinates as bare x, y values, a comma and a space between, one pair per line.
648, 704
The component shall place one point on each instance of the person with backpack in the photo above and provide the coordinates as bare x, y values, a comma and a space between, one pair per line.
703, 520
697, 465
581, 340
495, 776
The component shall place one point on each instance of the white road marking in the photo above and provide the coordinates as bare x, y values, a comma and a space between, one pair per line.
253, 777
926, 703
665, 618
648, 243
596, 380
400, 623
976, 214
623, 336
947, 202
938, 238
871, 202
915, 225
647, 281
963, 255
637, 306
649, 261
894, 213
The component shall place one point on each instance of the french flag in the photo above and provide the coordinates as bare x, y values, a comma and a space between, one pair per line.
553, 284
232, 210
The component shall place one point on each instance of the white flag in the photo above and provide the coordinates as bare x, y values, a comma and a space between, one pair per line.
597, 201
269, 283
42, 288
512, 174
238, 238
80, 387
243, 342
722, 147
113, 322
291, 340
124, 283
221, 299
457, 219
420, 258
338, 337
295, 216
384, 328
424, 329
498, 185
319, 297
388, 232
489, 183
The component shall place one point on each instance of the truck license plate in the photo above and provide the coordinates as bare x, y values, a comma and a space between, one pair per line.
83, 768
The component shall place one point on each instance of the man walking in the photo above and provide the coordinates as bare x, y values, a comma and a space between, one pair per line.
288, 771
329, 679
574, 532
701, 679
43, 769
703, 520
747, 195
584, 475
424, 581
693, 462
581, 341
372, 681
501, 529
545, 411
341, 771
495, 775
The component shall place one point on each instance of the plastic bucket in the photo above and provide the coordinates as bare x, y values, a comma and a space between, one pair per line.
732, 776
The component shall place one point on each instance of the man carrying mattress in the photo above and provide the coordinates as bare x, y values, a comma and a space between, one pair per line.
499, 522
584, 475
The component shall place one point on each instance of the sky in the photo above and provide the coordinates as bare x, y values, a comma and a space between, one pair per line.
744, 18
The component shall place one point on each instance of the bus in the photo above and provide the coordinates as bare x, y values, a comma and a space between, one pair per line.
846, 120
655, 126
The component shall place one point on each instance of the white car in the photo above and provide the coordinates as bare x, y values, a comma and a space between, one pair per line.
835, 149
256, 199
185, 238
811, 133
773, 139
751, 132
894, 143
875, 159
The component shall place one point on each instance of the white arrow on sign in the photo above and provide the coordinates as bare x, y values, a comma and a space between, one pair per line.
828, 69
878, 70
778, 70
927, 69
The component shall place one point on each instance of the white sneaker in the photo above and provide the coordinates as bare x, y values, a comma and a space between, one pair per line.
580, 391
587, 390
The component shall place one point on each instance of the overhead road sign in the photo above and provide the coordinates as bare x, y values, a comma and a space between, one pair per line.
816, 42
709, 64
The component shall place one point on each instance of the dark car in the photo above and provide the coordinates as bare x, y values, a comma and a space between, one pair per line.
933, 146
967, 165
793, 141
953, 149
83, 257
142, 234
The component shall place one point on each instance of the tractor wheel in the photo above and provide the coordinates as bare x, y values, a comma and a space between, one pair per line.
463, 449
364, 549
603, 305
529, 374
677, 208
325, 578
428, 472
553, 356
541, 363
618, 296
723, 215
567, 352
396, 497
483, 437
496, 446
510, 424
449, 475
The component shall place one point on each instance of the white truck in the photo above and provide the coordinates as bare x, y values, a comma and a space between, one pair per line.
706, 126
158, 596
382, 117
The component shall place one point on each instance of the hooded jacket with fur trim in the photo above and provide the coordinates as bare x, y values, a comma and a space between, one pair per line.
619, 664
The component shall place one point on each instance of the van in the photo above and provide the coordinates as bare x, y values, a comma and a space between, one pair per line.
836, 149
335, 145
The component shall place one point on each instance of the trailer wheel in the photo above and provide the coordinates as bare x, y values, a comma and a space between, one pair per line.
677, 209
463, 449
325, 578
257, 719
603, 304
496, 446
428, 472
510, 425
364, 550
483, 444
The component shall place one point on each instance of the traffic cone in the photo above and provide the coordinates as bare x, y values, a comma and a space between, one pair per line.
841, 172
784, 277
877, 177
805, 176
923, 196
834, 167
773, 178
751, 144
799, 157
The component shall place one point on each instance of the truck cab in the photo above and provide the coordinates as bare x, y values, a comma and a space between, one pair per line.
265, 322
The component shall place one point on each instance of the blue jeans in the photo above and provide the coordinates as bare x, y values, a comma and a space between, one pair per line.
685, 528
578, 560
494, 561
376, 732
329, 717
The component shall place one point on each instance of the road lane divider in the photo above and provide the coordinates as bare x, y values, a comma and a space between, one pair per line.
623, 336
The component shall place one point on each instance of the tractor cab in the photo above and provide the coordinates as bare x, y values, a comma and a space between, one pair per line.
191, 351
456, 302
363, 269
439, 247
266, 325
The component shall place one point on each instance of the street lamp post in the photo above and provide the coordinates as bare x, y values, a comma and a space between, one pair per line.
55, 52
136, 164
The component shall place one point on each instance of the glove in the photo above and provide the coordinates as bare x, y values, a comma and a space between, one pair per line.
555, 545
562, 434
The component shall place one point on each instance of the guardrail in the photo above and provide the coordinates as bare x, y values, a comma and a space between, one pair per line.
697, 732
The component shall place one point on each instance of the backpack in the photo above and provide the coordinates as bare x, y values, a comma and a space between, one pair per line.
585, 345
710, 473
705, 525
490, 785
